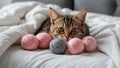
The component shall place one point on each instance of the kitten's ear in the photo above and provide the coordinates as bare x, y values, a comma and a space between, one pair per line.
53, 14
81, 15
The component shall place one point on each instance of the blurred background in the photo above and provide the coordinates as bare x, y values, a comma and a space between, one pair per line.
4, 2
109, 7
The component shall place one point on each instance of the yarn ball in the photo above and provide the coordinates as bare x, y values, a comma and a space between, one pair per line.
44, 40
29, 42
89, 43
58, 46
75, 46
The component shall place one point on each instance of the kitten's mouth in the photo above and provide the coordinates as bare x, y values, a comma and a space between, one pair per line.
67, 39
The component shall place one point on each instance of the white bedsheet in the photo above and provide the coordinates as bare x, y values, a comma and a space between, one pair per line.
15, 57
106, 30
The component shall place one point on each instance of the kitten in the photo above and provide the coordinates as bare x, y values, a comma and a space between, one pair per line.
66, 27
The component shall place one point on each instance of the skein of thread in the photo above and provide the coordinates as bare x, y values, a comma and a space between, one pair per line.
29, 42
58, 46
44, 40
89, 43
75, 46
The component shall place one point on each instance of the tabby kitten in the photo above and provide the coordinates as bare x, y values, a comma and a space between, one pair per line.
66, 27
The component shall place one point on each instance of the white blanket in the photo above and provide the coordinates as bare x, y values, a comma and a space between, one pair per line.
19, 19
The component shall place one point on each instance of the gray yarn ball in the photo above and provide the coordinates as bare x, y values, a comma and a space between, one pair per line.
58, 46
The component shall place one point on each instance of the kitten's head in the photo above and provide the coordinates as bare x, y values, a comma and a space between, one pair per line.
68, 27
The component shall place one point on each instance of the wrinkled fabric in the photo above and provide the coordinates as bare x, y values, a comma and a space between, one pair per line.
105, 29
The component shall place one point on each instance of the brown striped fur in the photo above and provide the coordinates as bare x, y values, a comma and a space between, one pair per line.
67, 27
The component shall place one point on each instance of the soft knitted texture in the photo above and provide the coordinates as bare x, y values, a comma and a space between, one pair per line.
29, 42
75, 46
44, 40
89, 43
58, 46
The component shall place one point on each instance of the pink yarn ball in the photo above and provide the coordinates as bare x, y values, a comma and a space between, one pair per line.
75, 46
29, 42
44, 40
89, 43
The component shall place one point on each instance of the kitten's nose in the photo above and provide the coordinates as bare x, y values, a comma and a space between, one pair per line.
67, 38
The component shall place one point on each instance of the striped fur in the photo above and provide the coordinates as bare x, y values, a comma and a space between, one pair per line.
66, 27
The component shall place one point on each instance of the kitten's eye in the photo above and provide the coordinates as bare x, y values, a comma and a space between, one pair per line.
74, 30
60, 29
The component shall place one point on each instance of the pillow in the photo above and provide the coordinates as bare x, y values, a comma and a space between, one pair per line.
62, 3
98, 6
